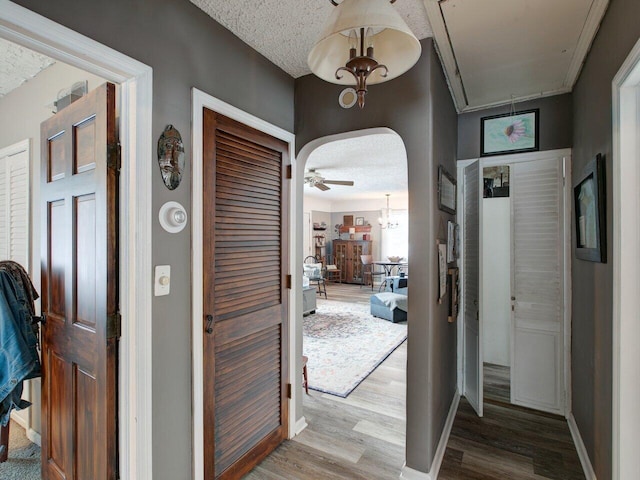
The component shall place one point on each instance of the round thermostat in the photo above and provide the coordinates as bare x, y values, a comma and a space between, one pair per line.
347, 98
173, 217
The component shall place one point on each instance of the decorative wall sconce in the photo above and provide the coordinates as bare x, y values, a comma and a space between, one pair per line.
173, 217
349, 37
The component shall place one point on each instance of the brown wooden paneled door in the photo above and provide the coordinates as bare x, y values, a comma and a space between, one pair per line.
245, 299
79, 289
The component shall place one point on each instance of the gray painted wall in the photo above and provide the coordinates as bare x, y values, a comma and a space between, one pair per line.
185, 48
418, 106
593, 282
440, 334
555, 124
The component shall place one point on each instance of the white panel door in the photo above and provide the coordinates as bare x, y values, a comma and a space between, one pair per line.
14, 208
537, 373
472, 331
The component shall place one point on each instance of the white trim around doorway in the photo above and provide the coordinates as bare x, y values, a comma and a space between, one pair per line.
626, 267
38, 33
201, 100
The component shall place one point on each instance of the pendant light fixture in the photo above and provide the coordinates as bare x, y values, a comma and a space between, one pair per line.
385, 219
366, 41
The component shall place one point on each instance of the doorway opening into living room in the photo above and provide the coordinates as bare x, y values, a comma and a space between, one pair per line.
355, 296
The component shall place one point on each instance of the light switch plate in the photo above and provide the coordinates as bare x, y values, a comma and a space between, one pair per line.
163, 280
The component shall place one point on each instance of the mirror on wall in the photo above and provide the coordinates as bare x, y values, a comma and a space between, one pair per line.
496, 181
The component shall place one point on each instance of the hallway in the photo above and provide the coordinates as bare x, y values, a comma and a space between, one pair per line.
509, 442
362, 437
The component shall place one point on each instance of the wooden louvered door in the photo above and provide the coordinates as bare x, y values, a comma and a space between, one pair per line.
245, 296
79, 290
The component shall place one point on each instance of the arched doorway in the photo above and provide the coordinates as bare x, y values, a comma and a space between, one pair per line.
312, 155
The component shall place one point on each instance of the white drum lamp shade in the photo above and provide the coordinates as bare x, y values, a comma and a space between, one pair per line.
394, 44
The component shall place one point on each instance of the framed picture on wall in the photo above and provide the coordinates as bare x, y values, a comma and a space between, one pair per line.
589, 204
359, 221
446, 191
452, 247
510, 133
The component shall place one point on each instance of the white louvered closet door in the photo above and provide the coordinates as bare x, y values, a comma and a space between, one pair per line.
14, 208
473, 371
537, 373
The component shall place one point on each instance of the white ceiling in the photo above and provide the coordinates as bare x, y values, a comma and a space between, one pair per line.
494, 51
18, 64
285, 30
376, 163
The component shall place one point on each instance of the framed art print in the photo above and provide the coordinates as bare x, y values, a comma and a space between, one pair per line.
510, 133
589, 206
446, 191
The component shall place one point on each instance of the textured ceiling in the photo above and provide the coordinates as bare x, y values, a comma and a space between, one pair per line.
285, 30
18, 64
376, 163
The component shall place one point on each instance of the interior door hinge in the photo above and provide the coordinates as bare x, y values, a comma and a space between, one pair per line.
114, 325
288, 390
288, 281
289, 172
113, 156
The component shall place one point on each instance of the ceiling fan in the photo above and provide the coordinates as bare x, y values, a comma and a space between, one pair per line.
313, 178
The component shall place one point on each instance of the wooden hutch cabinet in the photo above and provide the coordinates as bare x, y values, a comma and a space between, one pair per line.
347, 254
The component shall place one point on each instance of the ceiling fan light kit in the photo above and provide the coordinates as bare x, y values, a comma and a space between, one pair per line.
314, 179
357, 30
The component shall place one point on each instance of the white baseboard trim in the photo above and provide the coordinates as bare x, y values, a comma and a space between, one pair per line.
582, 450
301, 424
34, 437
410, 473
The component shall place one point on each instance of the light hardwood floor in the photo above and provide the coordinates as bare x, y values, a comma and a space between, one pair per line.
362, 437
358, 437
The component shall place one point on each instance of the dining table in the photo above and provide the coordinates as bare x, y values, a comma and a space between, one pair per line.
389, 266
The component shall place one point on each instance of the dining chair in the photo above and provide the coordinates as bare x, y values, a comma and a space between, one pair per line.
314, 271
331, 270
368, 270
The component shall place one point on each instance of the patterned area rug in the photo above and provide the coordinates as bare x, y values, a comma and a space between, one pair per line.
345, 343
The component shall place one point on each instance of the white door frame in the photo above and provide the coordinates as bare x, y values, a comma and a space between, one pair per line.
507, 160
626, 266
200, 100
38, 33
